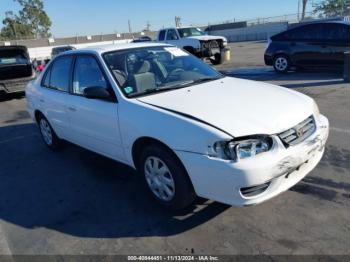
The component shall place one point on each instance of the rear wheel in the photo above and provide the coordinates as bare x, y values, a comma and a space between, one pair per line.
48, 134
281, 64
166, 177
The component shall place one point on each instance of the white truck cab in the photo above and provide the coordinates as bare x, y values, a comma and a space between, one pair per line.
195, 41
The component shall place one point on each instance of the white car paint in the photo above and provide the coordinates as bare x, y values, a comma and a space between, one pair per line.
190, 121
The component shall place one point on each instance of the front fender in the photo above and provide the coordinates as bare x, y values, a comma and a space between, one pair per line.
179, 133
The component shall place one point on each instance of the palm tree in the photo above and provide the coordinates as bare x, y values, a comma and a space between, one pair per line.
304, 9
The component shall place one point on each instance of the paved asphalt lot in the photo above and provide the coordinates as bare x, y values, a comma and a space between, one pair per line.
76, 202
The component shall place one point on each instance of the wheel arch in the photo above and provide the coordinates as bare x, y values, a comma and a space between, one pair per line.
282, 53
38, 114
141, 143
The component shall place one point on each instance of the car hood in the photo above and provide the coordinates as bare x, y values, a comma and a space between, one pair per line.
238, 107
208, 37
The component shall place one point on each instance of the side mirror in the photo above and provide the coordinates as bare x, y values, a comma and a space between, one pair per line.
97, 92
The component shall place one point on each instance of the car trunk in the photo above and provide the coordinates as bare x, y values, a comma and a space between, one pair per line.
14, 63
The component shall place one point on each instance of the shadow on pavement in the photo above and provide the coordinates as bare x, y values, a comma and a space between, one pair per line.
7, 97
80, 193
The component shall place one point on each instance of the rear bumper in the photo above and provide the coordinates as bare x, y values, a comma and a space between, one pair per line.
15, 85
268, 59
225, 181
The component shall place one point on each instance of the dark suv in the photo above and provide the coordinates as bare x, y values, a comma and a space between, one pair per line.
15, 69
316, 45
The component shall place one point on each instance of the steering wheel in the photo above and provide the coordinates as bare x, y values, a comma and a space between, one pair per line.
175, 73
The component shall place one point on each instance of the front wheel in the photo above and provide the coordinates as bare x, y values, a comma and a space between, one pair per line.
48, 134
281, 64
217, 60
166, 178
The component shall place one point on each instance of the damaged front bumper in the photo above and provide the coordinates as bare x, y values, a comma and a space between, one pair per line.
254, 180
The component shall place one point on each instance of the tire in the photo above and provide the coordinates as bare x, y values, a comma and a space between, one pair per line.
281, 63
218, 59
166, 177
48, 135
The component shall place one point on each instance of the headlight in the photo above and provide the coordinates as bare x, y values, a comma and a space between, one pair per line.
243, 148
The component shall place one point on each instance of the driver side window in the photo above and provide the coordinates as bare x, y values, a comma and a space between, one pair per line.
171, 35
87, 73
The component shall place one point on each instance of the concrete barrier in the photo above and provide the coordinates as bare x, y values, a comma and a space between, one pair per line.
252, 33
41, 53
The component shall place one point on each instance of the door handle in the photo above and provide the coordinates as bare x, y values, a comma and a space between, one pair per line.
73, 109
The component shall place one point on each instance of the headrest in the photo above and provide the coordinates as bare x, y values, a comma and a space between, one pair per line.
145, 67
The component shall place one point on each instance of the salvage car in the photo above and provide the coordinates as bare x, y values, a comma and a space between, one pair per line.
312, 45
196, 42
189, 130
15, 69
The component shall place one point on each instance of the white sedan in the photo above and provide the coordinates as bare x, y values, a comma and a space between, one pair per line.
189, 130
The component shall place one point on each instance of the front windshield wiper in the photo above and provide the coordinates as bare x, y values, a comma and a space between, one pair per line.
205, 79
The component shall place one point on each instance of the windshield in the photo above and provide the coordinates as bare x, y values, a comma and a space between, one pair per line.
12, 57
142, 71
186, 32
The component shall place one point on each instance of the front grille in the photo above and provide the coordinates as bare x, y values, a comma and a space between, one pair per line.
214, 44
299, 133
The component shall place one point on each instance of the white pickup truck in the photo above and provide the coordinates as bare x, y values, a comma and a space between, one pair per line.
196, 42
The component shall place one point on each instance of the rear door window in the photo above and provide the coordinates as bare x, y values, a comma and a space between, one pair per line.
60, 74
310, 32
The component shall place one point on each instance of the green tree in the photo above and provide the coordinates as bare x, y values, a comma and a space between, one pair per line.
31, 21
332, 8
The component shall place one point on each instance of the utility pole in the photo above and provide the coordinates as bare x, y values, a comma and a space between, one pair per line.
298, 10
129, 23
148, 26
177, 21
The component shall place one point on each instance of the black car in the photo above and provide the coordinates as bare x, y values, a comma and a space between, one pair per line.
15, 69
60, 49
316, 45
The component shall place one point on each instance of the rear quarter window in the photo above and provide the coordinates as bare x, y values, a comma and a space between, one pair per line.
281, 36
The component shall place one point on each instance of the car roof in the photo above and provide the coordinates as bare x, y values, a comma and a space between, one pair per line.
182, 27
99, 49
63, 46
321, 22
